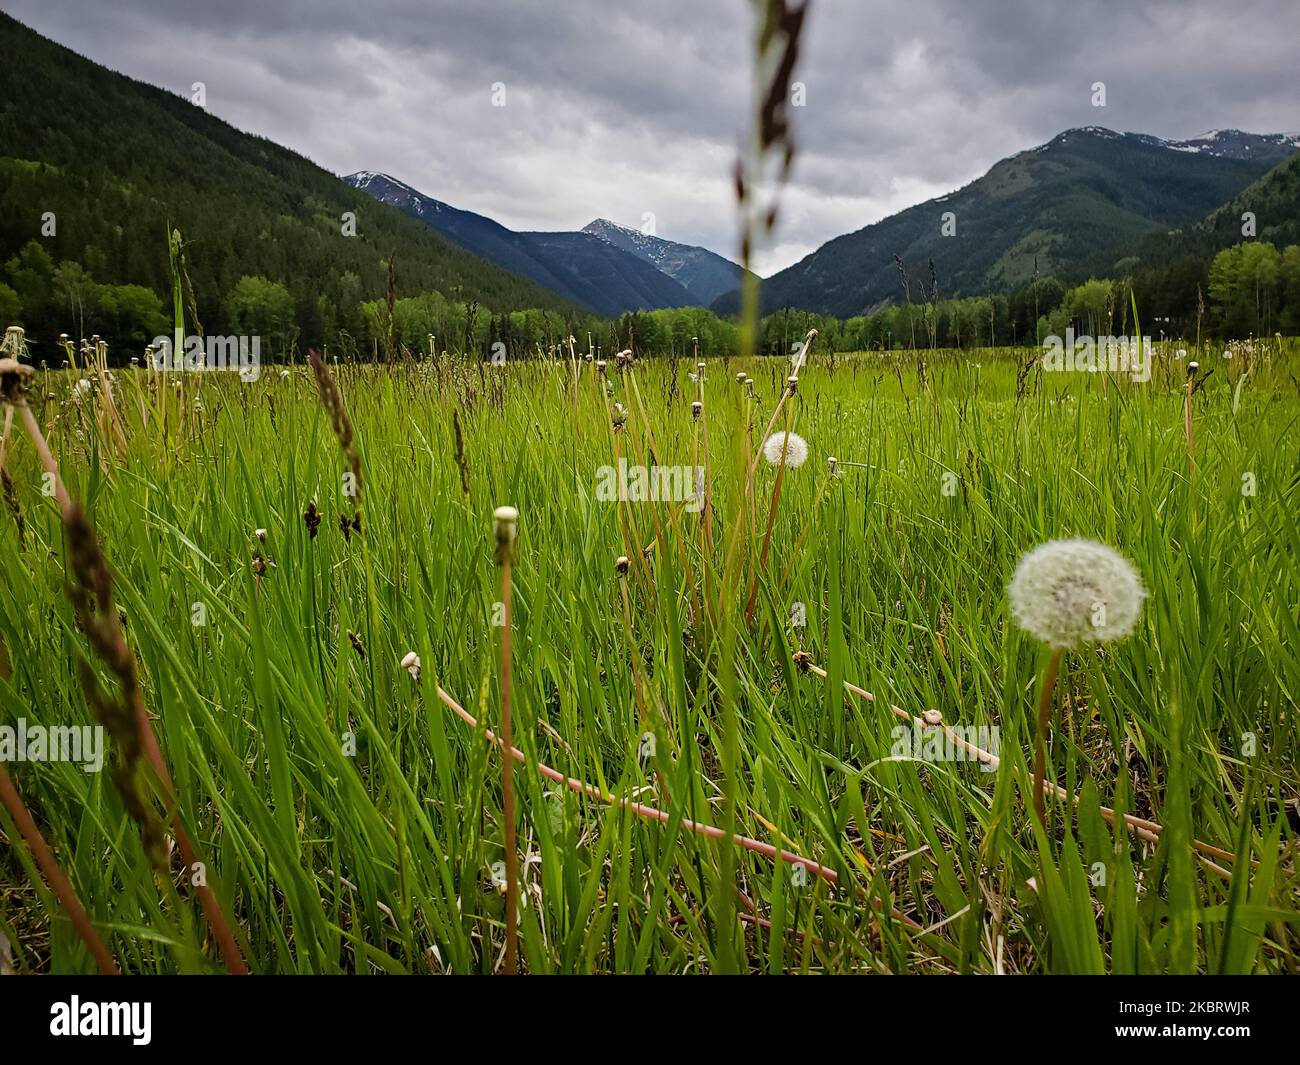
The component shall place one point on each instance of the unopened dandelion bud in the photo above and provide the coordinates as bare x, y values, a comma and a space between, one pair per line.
621, 565
504, 523
411, 663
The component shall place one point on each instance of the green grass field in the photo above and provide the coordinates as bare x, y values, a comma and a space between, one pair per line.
348, 820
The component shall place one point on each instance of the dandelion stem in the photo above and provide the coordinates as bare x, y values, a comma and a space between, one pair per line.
1040, 733
771, 523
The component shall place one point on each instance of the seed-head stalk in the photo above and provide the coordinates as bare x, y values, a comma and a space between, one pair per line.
504, 524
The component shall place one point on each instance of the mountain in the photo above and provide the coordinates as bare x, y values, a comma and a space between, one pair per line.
119, 163
1269, 148
592, 272
1078, 205
706, 275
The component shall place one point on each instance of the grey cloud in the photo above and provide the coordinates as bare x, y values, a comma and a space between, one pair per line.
618, 108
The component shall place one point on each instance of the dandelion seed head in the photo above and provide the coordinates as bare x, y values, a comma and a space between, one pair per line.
1071, 592
790, 447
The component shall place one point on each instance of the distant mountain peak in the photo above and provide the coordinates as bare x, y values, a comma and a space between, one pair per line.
1220, 143
706, 275
1096, 131
386, 187
598, 225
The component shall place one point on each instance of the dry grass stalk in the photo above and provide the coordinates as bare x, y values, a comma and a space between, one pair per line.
332, 400
504, 526
1141, 827
49, 867
663, 816
123, 714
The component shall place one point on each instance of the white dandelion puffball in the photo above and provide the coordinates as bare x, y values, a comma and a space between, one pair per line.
1069, 592
791, 447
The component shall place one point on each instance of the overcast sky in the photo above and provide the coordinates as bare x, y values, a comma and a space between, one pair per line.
618, 108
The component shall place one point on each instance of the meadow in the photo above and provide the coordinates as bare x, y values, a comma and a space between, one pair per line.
734, 672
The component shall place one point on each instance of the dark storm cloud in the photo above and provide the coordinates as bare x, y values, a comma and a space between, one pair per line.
625, 109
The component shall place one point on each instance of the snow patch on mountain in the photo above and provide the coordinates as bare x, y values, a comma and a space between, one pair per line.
388, 189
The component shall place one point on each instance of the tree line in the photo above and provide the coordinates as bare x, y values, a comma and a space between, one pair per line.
1252, 288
